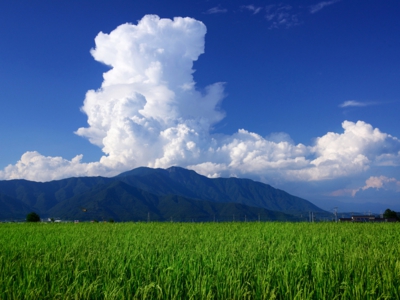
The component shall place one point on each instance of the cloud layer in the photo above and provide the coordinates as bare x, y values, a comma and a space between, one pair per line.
148, 112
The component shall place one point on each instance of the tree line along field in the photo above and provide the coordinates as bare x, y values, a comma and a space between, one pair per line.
200, 261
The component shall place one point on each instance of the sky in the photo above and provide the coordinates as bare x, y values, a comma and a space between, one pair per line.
301, 95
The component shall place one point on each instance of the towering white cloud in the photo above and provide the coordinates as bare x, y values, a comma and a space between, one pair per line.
148, 112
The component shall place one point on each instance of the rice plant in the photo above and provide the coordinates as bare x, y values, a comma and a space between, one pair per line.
200, 261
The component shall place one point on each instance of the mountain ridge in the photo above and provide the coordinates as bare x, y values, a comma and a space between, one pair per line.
238, 190
143, 191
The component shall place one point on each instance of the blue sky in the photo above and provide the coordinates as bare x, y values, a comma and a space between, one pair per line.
304, 96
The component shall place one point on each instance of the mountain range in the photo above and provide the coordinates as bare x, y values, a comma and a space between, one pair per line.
173, 194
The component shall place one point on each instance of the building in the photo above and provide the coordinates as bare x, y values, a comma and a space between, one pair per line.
366, 218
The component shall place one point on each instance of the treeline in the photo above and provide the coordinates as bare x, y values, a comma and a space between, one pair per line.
391, 214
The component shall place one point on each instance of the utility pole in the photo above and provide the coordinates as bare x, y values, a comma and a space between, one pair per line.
148, 216
335, 213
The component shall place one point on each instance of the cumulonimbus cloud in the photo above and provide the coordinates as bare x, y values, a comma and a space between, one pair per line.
148, 112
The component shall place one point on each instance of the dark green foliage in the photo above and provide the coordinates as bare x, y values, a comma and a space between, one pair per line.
32, 217
390, 214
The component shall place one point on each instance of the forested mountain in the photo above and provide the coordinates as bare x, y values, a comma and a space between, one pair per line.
151, 194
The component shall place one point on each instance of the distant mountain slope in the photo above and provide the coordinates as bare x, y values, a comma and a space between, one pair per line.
187, 183
41, 196
13, 209
122, 202
160, 193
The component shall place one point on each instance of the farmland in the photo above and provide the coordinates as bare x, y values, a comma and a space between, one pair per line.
200, 261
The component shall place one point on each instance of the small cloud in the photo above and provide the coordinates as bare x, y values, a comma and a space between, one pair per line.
281, 15
381, 182
277, 15
216, 10
317, 7
343, 192
355, 103
252, 8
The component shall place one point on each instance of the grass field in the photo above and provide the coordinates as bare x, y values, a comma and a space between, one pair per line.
200, 261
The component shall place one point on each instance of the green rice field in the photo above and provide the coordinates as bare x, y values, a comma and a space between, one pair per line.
200, 261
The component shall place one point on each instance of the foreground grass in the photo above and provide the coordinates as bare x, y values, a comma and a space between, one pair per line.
200, 261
